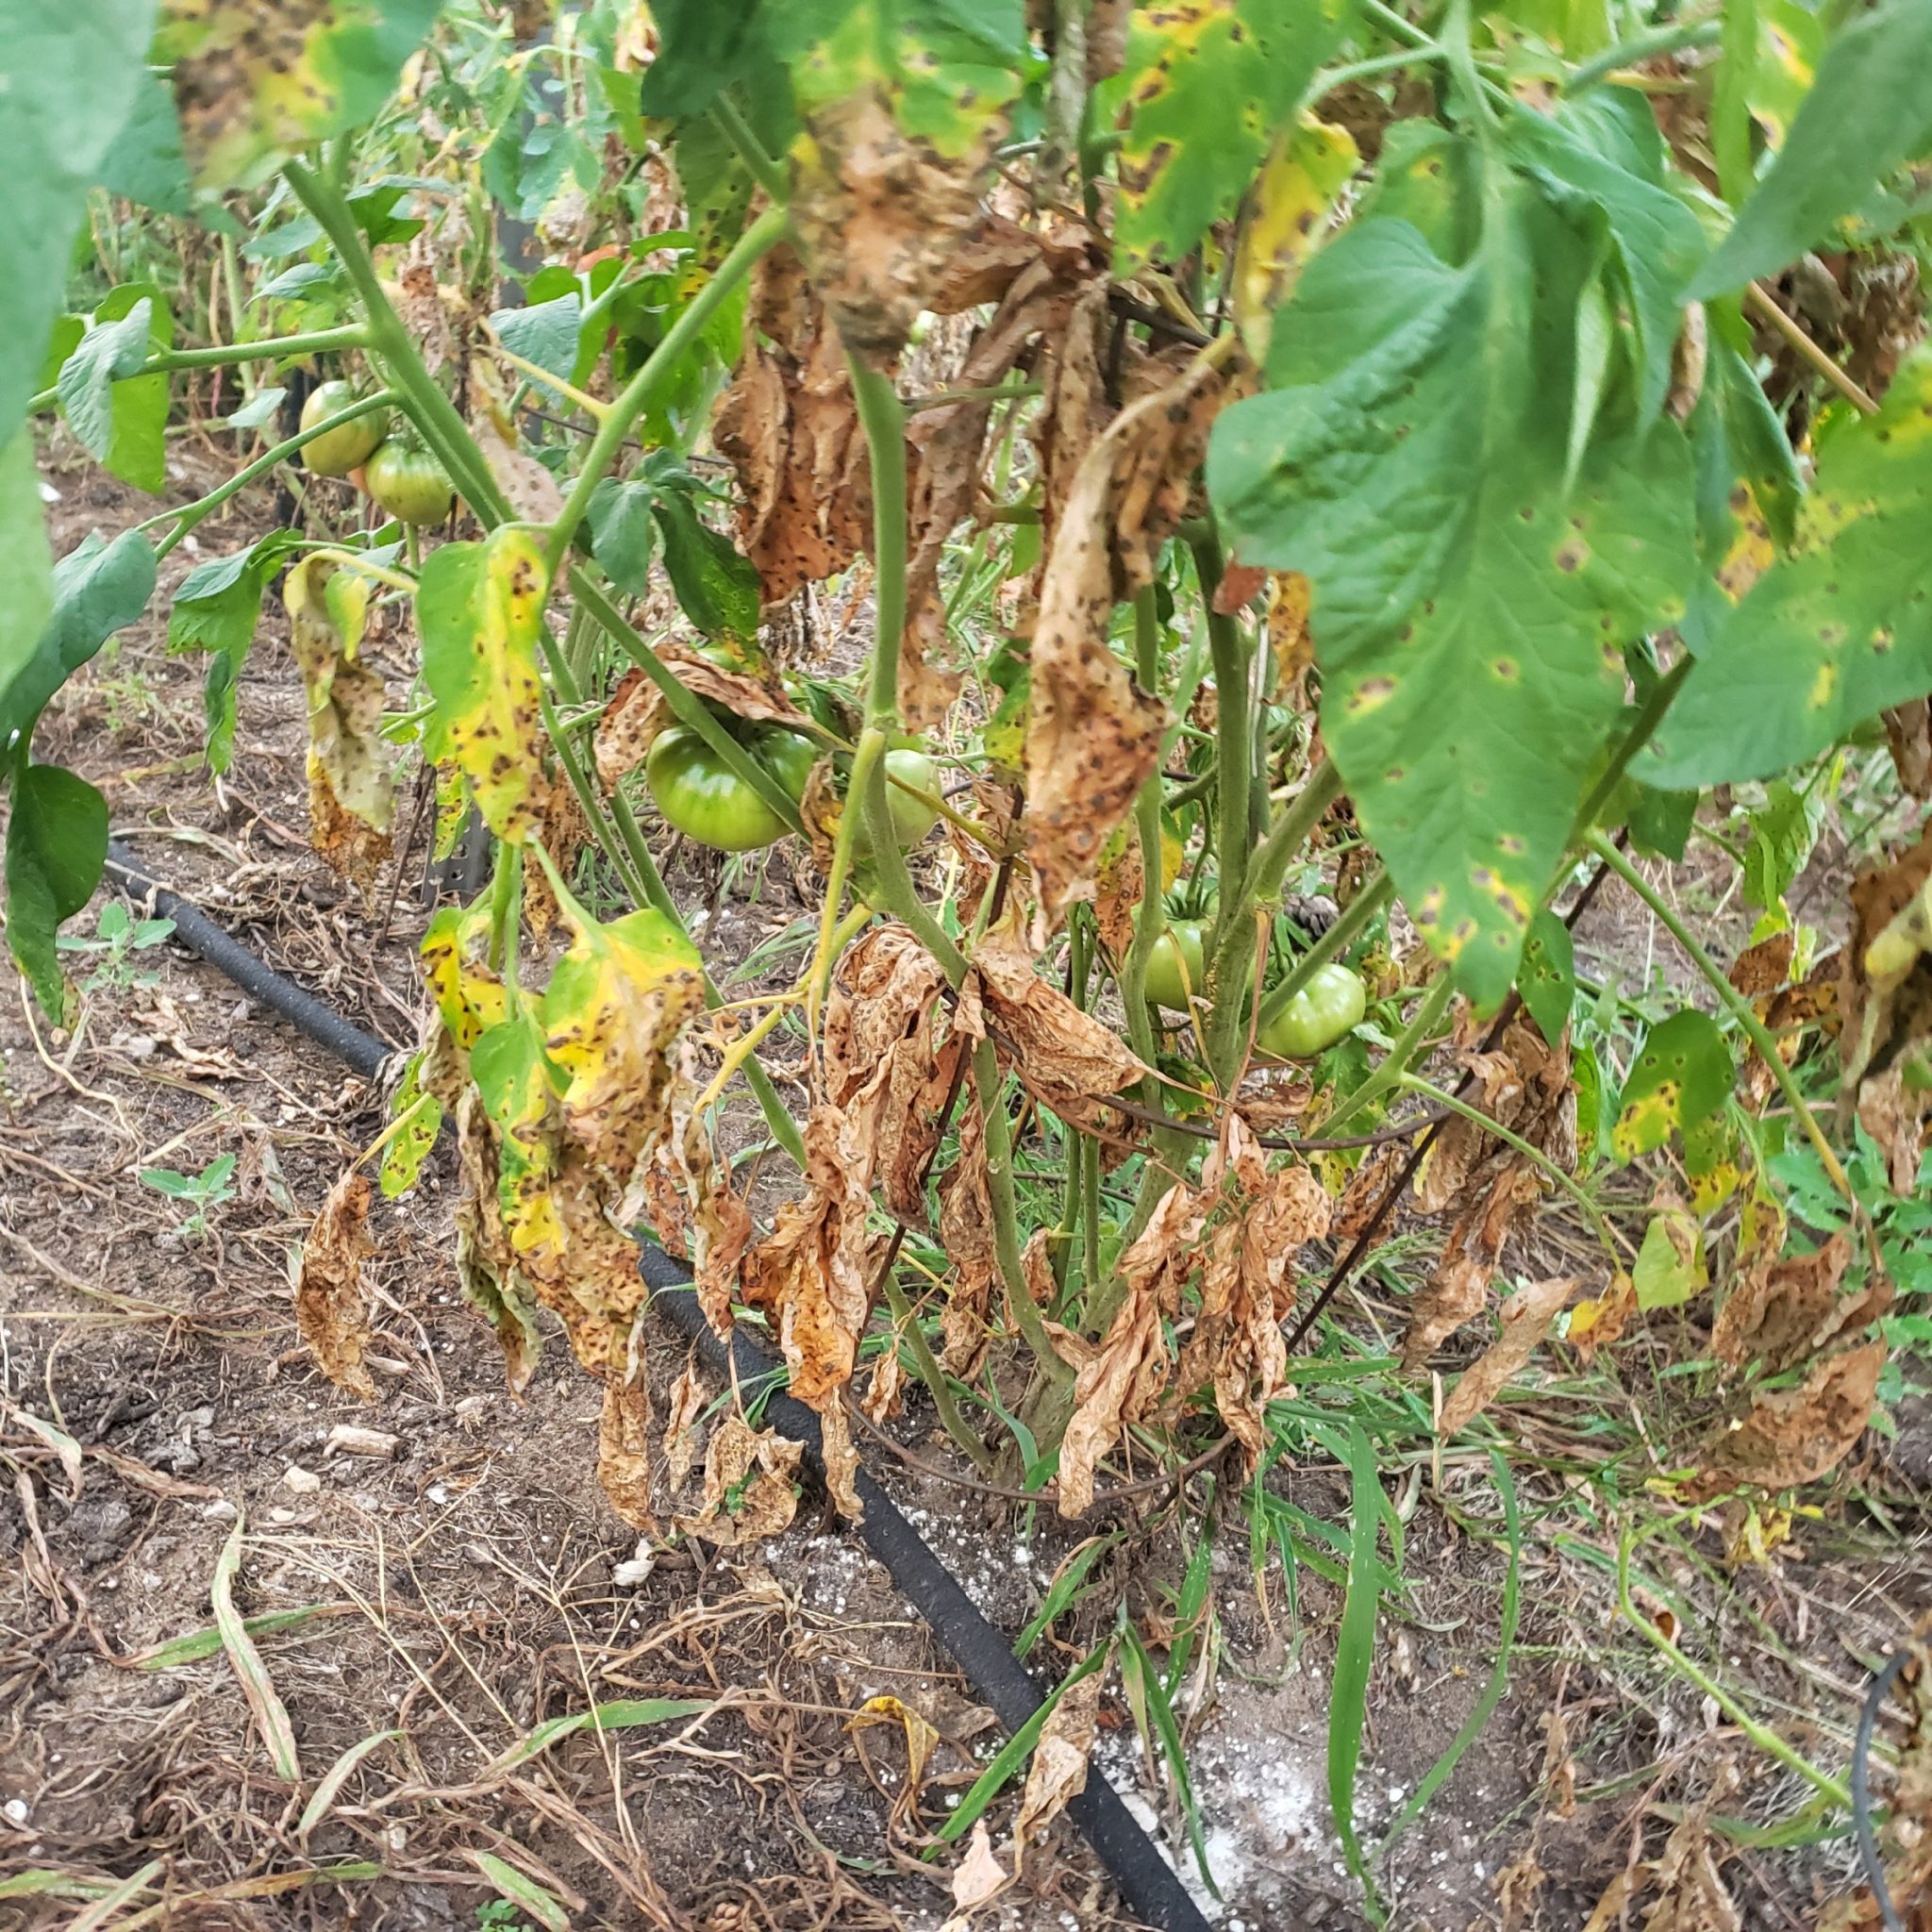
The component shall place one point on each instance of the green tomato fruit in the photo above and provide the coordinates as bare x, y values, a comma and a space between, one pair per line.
344, 449
912, 818
1327, 1010
409, 484
1181, 944
701, 796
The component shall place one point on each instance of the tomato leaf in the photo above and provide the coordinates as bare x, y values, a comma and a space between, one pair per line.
99, 587
255, 78
1781, 837
1833, 634
517, 1089
621, 536
1207, 83
111, 350
145, 163
217, 608
716, 587
1683, 1074
1467, 618
546, 333
479, 607
1547, 977
57, 844
70, 75
1867, 111
27, 587
1669, 1264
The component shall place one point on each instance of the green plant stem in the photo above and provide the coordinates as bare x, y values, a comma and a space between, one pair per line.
186, 519
906, 1320
1233, 742
314, 342
1387, 1076
987, 1086
1649, 716
1644, 46
1363, 908
1150, 916
884, 423
896, 893
1734, 1002
1440, 1096
608, 444
505, 896
1762, 1736
751, 150
392, 348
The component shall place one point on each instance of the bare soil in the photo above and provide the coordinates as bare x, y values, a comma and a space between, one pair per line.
463, 1586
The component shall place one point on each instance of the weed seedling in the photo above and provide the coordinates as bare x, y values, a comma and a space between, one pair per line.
116, 939
203, 1193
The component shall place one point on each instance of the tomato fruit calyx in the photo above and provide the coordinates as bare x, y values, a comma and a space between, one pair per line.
348, 448
1329, 1007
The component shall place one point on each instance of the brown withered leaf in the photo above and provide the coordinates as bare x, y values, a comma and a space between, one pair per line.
528, 486
1289, 604
884, 1394
1066, 1058
1797, 1435
563, 831
840, 1460
1240, 585
920, 1737
1457, 1293
966, 1236
717, 1222
1599, 1322
1125, 1377
681, 1427
1909, 731
1762, 968
487, 1271
1693, 1896
1776, 1308
759, 1467
1894, 1116
1057, 1773
624, 1439
1247, 1282
790, 427
1093, 735
331, 1299
810, 1276
1525, 1317
880, 216
1369, 1188
1887, 992
976, 1879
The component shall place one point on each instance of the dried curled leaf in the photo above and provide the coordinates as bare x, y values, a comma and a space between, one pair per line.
749, 1493
638, 711
1781, 1313
623, 1440
331, 1300
351, 765
790, 427
1526, 1319
1093, 735
1058, 1772
1797, 1435
922, 1740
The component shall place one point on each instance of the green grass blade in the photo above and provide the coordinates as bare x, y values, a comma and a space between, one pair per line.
271, 1716
620, 1714
1485, 1707
1134, 1657
1191, 1606
104, 1907
198, 1645
1015, 1752
334, 1777
41, 1881
1064, 1589
522, 1892
1355, 1652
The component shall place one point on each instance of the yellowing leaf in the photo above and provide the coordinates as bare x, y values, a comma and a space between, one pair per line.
1289, 208
1670, 1265
479, 607
519, 1092
919, 1740
469, 996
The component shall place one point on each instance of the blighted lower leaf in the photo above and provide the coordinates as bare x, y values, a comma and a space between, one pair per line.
351, 764
252, 77
1682, 1074
1835, 632
1888, 981
1526, 1318
419, 1116
479, 607
1794, 1436
519, 1089
331, 1299
1547, 977
921, 1738
1289, 207
470, 995
57, 844
624, 1441
1468, 617
750, 1492
1057, 1773
1208, 82
1670, 1265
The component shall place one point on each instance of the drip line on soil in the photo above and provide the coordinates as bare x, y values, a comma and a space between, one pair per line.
1150, 1886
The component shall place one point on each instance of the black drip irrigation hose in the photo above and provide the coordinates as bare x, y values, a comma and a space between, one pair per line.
1149, 1886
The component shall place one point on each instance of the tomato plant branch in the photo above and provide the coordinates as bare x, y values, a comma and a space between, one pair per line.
930, 1372
186, 518
884, 423
1735, 1002
1761, 304
314, 343
872, 746
1361, 910
765, 171
1640, 47
1150, 916
615, 418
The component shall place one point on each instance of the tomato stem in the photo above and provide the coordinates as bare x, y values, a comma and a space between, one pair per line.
884, 423
314, 343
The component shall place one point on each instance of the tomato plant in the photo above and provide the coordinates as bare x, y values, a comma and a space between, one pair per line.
1369, 452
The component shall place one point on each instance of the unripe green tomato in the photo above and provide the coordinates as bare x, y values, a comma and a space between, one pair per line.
701, 796
912, 818
1327, 1010
344, 449
1182, 943
409, 484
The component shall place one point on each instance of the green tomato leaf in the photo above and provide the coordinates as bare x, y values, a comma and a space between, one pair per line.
1207, 83
1835, 632
1468, 618
1781, 838
716, 588
622, 538
1601, 159
1866, 113
218, 608
145, 163
136, 449
255, 78
57, 844
1669, 1264
479, 607
546, 333
68, 76
98, 588
1660, 821
1683, 1074
1547, 977
109, 351
702, 49
1588, 1073
26, 583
